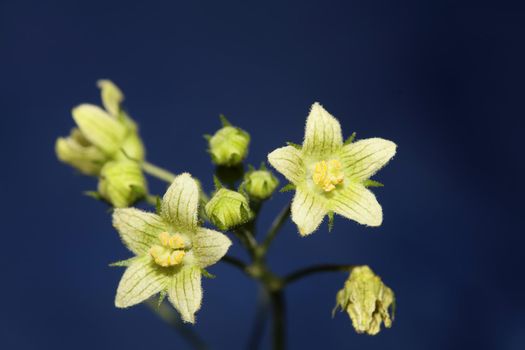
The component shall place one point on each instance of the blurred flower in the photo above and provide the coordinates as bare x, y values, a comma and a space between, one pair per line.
366, 300
111, 96
229, 145
171, 250
100, 135
78, 152
227, 209
330, 176
122, 183
260, 184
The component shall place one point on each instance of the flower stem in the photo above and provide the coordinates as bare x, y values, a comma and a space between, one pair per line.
261, 315
276, 226
169, 316
158, 172
297, 275
234, 262
279, 319
245, 236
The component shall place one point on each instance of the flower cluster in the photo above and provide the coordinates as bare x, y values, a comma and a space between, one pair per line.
171, 247
106, 144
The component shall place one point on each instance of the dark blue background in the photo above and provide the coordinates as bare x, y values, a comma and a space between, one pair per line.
443, 79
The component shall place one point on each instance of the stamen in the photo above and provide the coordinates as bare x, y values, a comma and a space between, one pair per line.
170, 252
327, 175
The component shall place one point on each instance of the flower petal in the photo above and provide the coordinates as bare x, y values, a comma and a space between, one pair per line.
99, 127
308, 211
289, 162
139, 230
181, 201
209, 246
357, 203
364, 158
185, 292
323, 132
79, 153
111, 96
142, 279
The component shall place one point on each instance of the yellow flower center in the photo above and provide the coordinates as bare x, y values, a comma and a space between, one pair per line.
328, 174
170, 252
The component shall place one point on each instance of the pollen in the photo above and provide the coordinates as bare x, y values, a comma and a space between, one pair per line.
328, 174
171, 250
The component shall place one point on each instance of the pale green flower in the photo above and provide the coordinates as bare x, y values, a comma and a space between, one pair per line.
101, 135
229, 145
260, 184
367, 300
227, 209
171, 250
330, 176
122, 183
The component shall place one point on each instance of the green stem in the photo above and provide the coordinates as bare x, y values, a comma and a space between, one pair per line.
235, 262
158, 172
246, 238
276, 226
167, 314
261, 315
151, 200
278, 314
297, 275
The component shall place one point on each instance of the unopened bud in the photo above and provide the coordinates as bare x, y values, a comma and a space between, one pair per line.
229, 146
122, 183
260, 184
111, 96
227, 209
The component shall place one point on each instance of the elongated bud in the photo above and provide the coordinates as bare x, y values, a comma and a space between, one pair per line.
122, 183
367, 300
111, 96
99, 128
227, 209
260, 184
78, 152
229, 146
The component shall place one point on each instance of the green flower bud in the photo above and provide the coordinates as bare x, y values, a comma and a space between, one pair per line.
260, 184
78, 152
122, 183
367, 301
227, 209
229, 146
